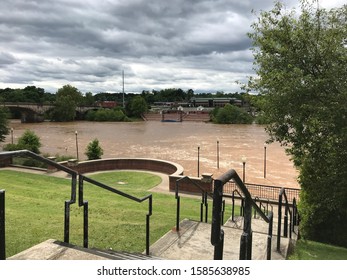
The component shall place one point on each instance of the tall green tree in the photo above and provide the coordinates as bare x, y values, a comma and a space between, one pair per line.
137, 106
67, 99
300, 61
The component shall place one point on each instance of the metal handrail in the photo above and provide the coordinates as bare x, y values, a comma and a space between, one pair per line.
217, 233
2, 226
84, 203
282, 195
27, 153
265, 209
233, 204
204, 195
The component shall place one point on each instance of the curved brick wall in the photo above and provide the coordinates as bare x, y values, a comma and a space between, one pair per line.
173, 170
155, 165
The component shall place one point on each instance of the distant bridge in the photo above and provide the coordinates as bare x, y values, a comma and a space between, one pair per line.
33, 112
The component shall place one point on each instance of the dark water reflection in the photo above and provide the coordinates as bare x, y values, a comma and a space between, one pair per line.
177, 142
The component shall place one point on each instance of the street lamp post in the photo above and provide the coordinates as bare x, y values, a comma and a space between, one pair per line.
11, 135
244, 169
218, 154
264, 160
198, 161
76, 144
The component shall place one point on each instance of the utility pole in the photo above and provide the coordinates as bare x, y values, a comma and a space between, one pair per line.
123, 88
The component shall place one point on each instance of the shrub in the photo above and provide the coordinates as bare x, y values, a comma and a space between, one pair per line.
93, 150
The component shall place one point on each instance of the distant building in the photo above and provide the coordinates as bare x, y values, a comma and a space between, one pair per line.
106, 104
215, 101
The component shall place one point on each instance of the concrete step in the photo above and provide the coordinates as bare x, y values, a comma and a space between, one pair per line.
56, 250
192, 242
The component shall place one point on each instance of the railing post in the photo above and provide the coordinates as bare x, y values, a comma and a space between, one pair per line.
217, 234
285, 223
223, 211
67, 222
247, 228
294, 212
177, 207
233, 207
206, 208
178, 213
85, 225
150, 207
269, 238
242, 208
279, 222
2, 226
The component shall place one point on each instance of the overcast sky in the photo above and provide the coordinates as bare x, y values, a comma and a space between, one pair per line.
188, 44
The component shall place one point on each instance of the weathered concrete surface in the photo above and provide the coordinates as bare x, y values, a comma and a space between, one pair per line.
192, 242
55, 250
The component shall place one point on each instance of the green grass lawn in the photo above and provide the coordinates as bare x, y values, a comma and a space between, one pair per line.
310, 250
35, 213
35, 210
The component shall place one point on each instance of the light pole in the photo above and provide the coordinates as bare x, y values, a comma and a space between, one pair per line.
218, 154
11, 135
76, 145
244, 169
264, 160
198, 161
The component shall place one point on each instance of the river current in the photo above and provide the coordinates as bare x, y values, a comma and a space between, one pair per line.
194, 145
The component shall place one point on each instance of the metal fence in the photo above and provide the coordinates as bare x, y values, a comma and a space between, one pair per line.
263, 191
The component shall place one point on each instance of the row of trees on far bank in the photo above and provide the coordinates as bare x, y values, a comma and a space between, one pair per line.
68, 98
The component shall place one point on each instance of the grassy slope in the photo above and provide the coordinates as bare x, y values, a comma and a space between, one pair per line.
35, 211
310, 250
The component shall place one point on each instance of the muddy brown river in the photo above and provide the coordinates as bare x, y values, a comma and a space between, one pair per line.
177, 142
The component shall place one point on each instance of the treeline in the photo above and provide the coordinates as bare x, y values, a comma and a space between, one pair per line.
67, 98
33, 94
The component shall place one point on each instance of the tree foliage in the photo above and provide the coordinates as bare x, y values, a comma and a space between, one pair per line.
137, 106
93, 150
67, 99
111, 115
231, 114
300, 61
29, 141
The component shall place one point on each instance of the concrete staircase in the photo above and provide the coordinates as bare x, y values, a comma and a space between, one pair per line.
192, 242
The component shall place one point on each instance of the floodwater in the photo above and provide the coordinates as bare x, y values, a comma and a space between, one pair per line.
190, 144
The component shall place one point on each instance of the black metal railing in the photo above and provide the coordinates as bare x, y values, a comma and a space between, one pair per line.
2, 226
291, 214
217, 233
203, 204
67, 204
263, 204
233, 197
263, 191
84, 203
